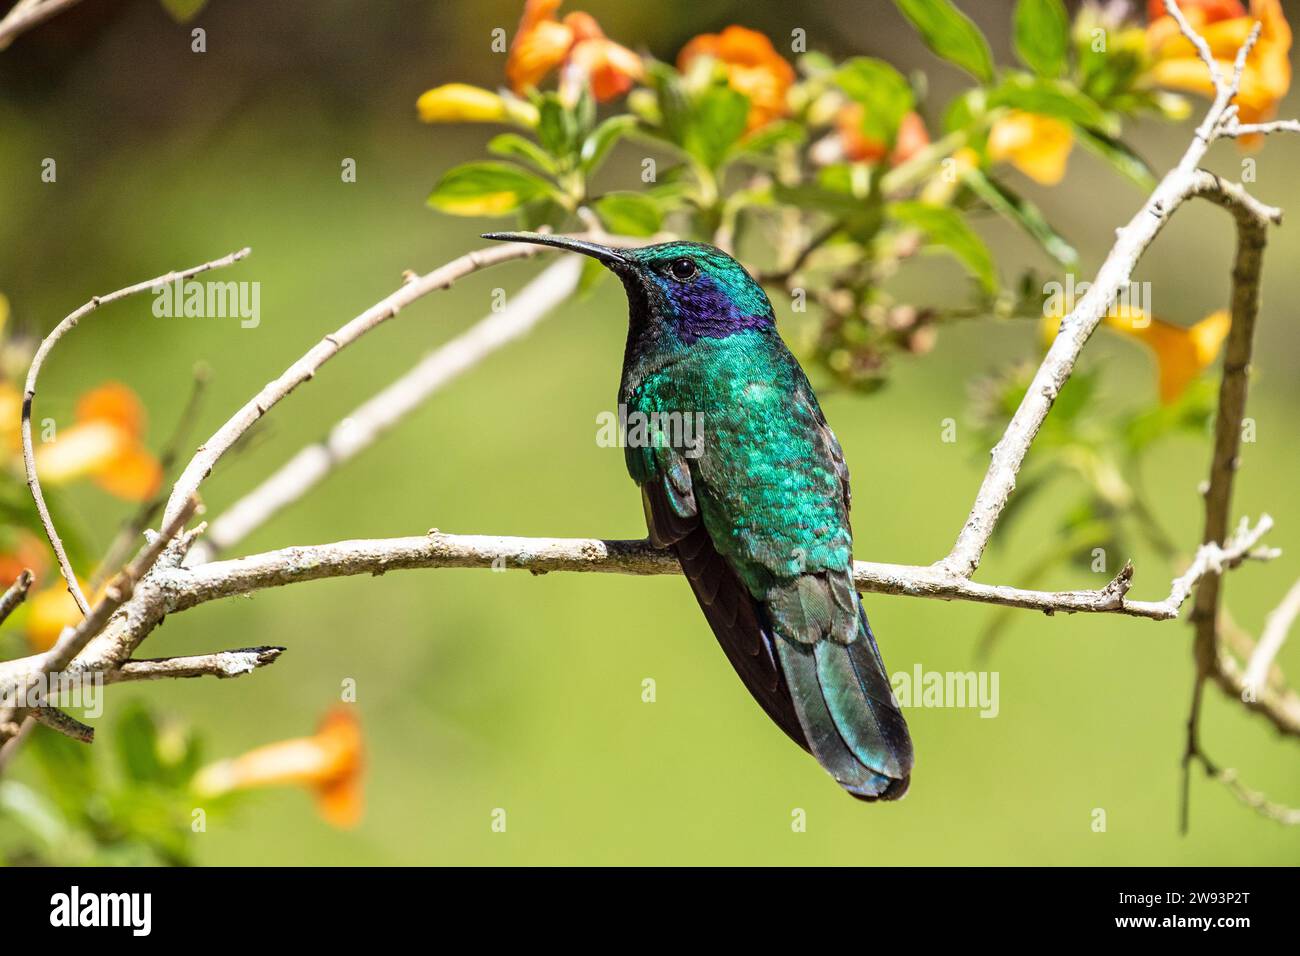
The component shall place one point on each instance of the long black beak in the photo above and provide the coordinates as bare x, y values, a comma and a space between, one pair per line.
613, 258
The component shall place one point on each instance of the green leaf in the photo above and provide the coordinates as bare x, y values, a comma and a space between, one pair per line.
674, 105
1023, 213
1055, 98
717, 121
514, 146
950, 33
486, 189
1120, 156
183, 11
883, 93
592, 274
602, 139
556, 127
630, 214
137, 745
69, 771
768, 137
1190, 414
544, 211
1042, 35
36, 813
945, 227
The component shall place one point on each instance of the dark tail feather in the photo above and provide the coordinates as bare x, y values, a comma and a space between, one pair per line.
848, 713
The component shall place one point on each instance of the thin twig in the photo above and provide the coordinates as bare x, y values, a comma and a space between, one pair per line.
1202, 47
222, 665
73, 640
1273, 637
15, 595
360, 428
211, 451
1235, 130
26, 14
144, 516
1287, 816
29, 393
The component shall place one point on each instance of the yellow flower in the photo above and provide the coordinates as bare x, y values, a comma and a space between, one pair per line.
752, 65
1182, 353
50, 611
104, 442
460, 103
11, 417
1038, 146
329, 764
1225, 25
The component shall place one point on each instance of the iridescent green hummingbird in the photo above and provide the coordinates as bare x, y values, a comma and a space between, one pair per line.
756, 510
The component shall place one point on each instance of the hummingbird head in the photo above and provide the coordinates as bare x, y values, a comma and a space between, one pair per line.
688, 289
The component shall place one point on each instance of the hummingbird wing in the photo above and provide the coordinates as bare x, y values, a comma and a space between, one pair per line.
673, 521
759, 521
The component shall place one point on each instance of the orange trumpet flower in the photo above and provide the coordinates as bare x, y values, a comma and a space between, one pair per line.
544, 43
753, 68
329, 764
1225, 25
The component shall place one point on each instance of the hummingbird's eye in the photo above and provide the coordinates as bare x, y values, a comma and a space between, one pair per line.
682, 269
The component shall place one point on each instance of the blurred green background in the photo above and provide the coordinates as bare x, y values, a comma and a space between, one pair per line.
481, 690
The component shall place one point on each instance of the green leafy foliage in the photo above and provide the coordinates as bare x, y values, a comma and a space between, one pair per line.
1056, 98
830, 177
883, 93
1041, 35
486, 189
514, 146
1128, 163
129, 804
632, 214
945, 228
950, 34
1002, 200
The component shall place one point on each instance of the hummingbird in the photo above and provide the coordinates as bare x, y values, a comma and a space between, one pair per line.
756, 509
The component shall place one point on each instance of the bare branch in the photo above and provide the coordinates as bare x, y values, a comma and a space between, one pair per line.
29, 393
144, 516
1287, 816
1235, 130
1181, 183
57, 720
211, 451
73, 640
222, 664
25, 14
188, 586
1276, 629
1212, 559
365, 424
1202, 47
15, 595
